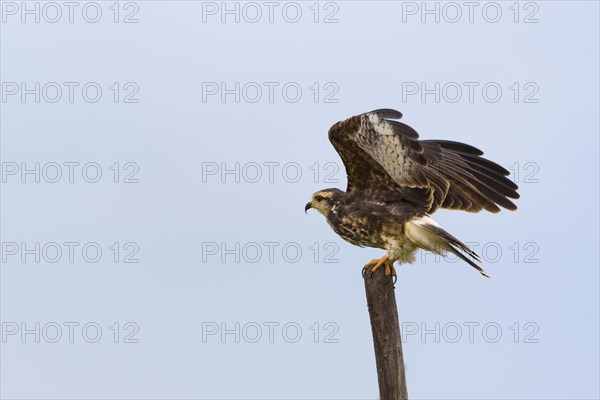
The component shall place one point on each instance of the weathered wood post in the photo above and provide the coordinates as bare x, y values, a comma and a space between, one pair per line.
381, 300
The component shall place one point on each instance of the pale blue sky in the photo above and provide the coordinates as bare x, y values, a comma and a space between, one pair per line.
184, 213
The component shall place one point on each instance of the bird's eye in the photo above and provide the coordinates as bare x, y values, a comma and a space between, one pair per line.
318, 198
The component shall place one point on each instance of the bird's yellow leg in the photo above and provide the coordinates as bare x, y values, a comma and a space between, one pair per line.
389, 268
374, 265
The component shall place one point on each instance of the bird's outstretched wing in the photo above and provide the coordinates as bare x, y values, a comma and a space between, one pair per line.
385, 159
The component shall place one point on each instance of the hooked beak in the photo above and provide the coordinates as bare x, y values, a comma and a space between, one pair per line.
307, 207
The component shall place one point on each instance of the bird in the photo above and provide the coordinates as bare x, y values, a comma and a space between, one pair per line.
395, 183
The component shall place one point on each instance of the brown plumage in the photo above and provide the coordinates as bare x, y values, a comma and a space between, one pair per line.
395, 181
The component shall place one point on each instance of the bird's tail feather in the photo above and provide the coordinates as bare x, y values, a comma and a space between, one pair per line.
427, 234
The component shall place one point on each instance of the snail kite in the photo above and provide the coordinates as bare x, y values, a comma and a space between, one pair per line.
396, 181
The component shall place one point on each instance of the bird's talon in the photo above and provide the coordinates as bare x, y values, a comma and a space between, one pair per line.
374, 265
390, 271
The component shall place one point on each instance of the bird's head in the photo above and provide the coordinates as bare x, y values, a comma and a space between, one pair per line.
323, 200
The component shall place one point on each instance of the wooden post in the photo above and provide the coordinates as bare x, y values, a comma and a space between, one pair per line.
381, 300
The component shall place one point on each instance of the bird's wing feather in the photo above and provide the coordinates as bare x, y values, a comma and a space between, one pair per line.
385, 159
